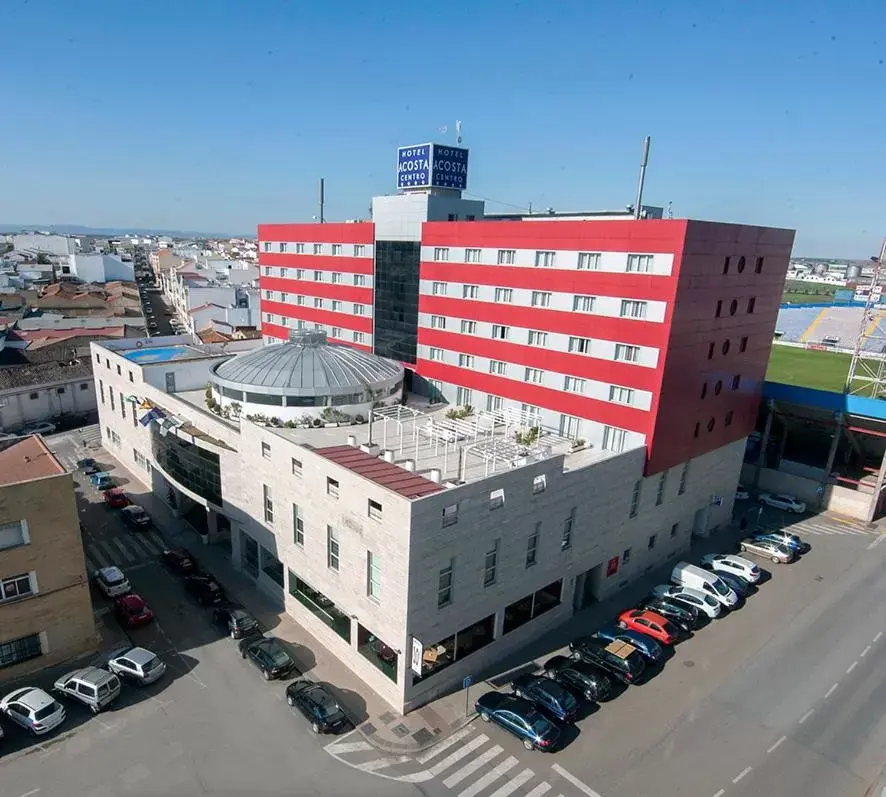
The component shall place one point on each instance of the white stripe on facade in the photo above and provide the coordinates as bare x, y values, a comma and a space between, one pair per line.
307, 275
291, 299
307, 248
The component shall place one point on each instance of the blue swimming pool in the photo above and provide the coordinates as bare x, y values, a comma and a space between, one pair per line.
161, 354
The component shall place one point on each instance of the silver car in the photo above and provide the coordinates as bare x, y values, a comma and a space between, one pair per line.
768, 548
787, 503
135, 664
33, 709
93, 687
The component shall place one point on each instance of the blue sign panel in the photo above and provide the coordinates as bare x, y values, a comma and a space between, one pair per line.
468, 680
414, 166
450, 167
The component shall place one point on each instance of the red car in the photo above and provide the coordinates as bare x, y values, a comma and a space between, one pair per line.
132, 611
649, 623
116, 498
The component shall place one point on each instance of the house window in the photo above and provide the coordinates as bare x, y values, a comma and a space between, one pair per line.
704, 389
374, 510
359, 250
15, 587
710, 351
438, 322
572, 384
626, 556
625, 353
318, 276
621, 395
472, 255
532, 547
583, 304
504, 295
726, 262
697, 428
497, 499
470, 291
336, 333
441, 253
490, 564
566, 534
684, 475
659, 493
632, 309
359, 280
450, 515
438, 289
465, 361
498, 367
331, 487
283, 247
299, 273
358, 337
19, 650
614, 439
641, 264
580, 345
373, 576
499, 332
265, 450
296, 467
318, 303
444, 585
300, 299
336, 249
268, 504
506, 257
332, 549
463, 397
469, 327
541, 299
751, 302
545, 259
14, 534
318, 249
266, 245
589, 261
534, 375
119, 370
435, 354
298, 526
635, 498
537, 338
725, 347
741, 264
539, 484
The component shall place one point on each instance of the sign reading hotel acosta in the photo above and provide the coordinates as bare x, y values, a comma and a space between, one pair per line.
432, 166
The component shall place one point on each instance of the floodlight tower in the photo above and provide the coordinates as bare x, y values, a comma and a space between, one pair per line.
867, 372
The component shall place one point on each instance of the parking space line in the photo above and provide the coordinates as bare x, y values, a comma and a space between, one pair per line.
877, 541
444, 745
779, 743
382, 763
513, 784
806, 716
852, 667
135, 542
29, 793
830, 691
877, 638
580, 785
150, 545
743, 773
865, 652
720, 793
106, 550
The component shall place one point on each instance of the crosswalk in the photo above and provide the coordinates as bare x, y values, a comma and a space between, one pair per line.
123, 550
468, 763
830, 528
72, 446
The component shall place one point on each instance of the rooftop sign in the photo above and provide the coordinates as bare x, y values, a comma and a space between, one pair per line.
432, 166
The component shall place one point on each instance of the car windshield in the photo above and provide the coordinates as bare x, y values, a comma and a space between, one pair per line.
710, 601
721, 587
113, 577
278, 656
538, 722
783, 549
151, 664
46, 711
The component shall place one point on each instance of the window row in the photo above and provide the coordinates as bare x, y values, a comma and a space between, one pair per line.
335, 277
285, 247
733, 307
660, 488
726, 346
541, 258
318, 302
741, 264
728, 418
337, 333
718, 386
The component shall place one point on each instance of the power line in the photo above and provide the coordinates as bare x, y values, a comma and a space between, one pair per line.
497, 201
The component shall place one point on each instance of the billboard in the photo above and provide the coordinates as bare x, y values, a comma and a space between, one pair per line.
432, 166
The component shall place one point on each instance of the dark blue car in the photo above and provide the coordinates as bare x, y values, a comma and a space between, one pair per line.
648, 647
519, 717
785, 538
741, 587
548, 695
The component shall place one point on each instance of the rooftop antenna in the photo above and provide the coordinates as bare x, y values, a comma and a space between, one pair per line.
670, 209
322, 200
457, 131
638, 208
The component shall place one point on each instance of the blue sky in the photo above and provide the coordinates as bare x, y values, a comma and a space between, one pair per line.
219, 114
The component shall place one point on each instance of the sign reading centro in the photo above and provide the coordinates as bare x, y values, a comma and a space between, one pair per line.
432, 166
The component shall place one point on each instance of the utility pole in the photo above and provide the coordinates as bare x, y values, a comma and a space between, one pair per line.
322, 200
638, 208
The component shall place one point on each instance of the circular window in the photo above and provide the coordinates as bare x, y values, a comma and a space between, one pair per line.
725, 348
711, 425
704, 389
733, 307
718, 387
741, 264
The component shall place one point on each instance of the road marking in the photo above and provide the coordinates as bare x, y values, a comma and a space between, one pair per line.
513, 784
29, 793
720, 793
348, 747
830, 691
124, 551
865, 652
490, 777
778, 743
444, 745
806, 716
876, 542
382, 763
580, 785
852, 667
96, 553
877, 638
472, 766
542, 788
740, 775
459, 754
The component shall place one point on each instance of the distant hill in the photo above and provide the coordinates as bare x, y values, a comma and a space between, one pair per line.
79, 229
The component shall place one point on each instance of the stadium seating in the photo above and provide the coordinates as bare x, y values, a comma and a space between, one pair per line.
813, 324
794, 321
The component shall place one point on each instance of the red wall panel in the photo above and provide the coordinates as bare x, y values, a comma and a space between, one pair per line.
333, 233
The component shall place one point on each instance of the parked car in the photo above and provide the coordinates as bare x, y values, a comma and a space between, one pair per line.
115, 498
179, 560
555, 700
645, 622
111, 581
235, 621
135, 517
772, 550
93, 687
135, 664
680, 614
318, 704
691, 597
519, 717
33, 709
101, 481
624, 661
590, 682
685, 574
205, 590
648, 647
785, 538
269, 655
39, 428
736, 565
132, 611
737, 584
742, 494
783, 501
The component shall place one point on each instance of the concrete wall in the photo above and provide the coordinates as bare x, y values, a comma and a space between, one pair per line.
842, 500
27, 405
101, 268
51, 244
399, 217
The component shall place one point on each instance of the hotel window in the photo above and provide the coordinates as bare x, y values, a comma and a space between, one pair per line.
269, 318
751, 303
470, 292
269, 295
465, 361
743, 344
573, 384
296, 467
621, 395
298, 526
336, 305
267, 271
337, 277
642, 264
318, 249
537, 338
359, 309
545, 259
583, 304
469, 327
463, 397
268, 503
299, 273
631, 308
299, 249
758, 268
506, 257
684, 475
267, 246
580, 345
635, 498
736, 381
358, 337
659, 493
299, 299
336, 332
499, 332
336, 249
283, 296
614, 439
534, 375
359, 280
435, 354
284, 247
318, 276
444, 584
472, 255
504, 295
318, 302
101, 388
373, 575
490, 565
441, 253
570, 427
541, 299
625, 353
438, 289
359, 250
333, 551
532, 547
438, 322
493, 403
589, 260
498, 367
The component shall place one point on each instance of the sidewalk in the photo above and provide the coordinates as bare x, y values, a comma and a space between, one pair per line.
374, 719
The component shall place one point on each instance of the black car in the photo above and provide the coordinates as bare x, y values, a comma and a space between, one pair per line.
317, 702
205, 590
519, 717
579, 677
554, 699
624, 661
135, 517
235, 621
685, 617
269, 655
180, 560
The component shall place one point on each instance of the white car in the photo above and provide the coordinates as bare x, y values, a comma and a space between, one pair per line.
111, 581
734, 565
741, 493
787, 503
39, 428
691, 596
33, 709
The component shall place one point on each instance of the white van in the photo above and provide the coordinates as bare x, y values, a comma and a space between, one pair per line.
688, 575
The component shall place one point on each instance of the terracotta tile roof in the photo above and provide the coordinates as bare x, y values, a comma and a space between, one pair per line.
26, 459
210, 335
388, 475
